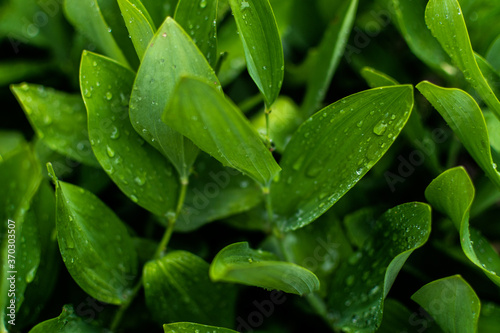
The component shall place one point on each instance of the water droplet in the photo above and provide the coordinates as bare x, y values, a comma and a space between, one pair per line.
298, 164
203, 3
139, 180
244, 5
360, 123
110, 151
94, 64
314, 169
250, 260
115, 133
134, 198
109, 95
264, 67
379, 129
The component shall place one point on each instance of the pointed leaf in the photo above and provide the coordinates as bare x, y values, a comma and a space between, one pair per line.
493, 54
333, 149
199, 19
170, 55
362, 283
453, 193
397, 318
67, 322
262, 44
239, 263
452, 303
191, 327
219, 128
445, 19
178, 288
465, 118
59, 119
139, 24
140, 171
95, 245
87, 18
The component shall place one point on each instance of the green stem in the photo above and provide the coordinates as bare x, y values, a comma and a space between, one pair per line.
158, 253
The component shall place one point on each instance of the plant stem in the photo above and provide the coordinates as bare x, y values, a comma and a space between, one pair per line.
158, 253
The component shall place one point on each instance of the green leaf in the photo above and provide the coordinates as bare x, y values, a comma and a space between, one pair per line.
178, 288
361, 224
219, 128
493, 54
140, 171
199, 19
95, 245
397, 318
411, 23
466, 120
239, 263
452, 303
262, 44
10, 142
87, 18
453, 193
376, 78
171, 55
20, 175
67, 322
489, 74
493, 125
445, 19
333, 149
329, 54
362, 283
214, 193
229, 44
191, 327
489, 320
59, 119
139, 24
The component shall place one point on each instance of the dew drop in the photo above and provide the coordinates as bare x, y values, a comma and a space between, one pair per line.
134, 198
379, 128
203, 3
139, 180
115, 133
110, 151
109, 95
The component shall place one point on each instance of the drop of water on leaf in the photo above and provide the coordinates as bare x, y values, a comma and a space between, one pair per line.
31, 275
134, 198
109, 95
110, 151
298, 164
115, 133
379, 129
314, 170
203, 3
139, 180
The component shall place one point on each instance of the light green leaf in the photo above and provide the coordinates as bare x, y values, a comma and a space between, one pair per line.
239, 263
445, 19
199, 19
493, 125
191, 327
140, 171
452, 193
262, 44
95, 245
87, 18
229, 44
10, 142
171, 55
465, 118
214, 193
328, 56
452, 303
178, 288
59, 119
489, 73
67, 322
139, 24
334, 149
361, 284
219, 128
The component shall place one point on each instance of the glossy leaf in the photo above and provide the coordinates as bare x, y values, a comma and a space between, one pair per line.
191, 327
219, 128
140, 171
229, 44
178, 288
95, 245
199, 19
170, 55
362, 283
453, 193
87, 17
445, 19
239, 263
452, 303
489, 73
215, 192
67, 322
262, 45
464, 116
328, 56
334, 149
139, 24
59, 119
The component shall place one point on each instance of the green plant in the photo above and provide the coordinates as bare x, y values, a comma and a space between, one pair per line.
194, 173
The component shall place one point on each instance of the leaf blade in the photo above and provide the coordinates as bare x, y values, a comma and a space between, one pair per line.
139, 24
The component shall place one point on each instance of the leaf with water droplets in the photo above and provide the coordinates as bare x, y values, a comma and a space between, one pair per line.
192, 327
95, 245
139, 24
238, 263
178, 288
67, 322
58, 119
466, 120
452, 193
199, 20
329, 153
452, 303
398, 318
140, 171
447, 23
219, 128
361, 284
170, 55
262, 44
